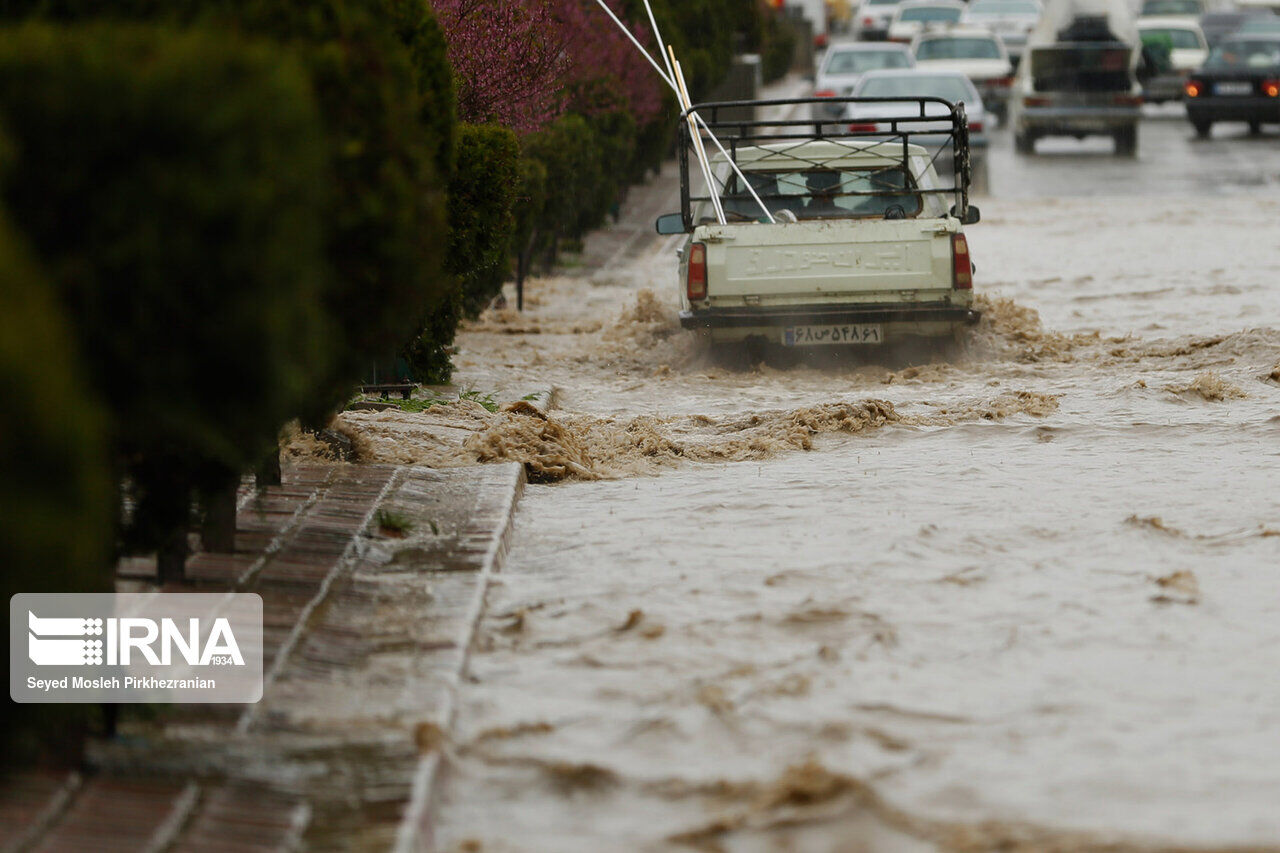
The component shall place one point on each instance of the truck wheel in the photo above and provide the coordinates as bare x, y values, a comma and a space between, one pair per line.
1024, 143
1203, 128
1127, 141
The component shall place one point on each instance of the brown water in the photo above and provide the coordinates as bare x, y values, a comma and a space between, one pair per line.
1021, 596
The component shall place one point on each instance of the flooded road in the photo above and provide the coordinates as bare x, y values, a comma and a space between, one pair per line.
1021, 597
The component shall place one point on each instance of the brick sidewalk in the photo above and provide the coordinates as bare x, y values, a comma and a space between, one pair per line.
366, 637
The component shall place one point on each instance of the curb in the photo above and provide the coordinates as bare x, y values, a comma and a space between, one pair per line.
416, 832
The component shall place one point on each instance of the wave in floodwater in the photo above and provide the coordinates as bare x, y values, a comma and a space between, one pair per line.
559, 445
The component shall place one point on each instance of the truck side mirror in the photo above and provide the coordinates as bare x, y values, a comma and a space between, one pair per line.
971, 215
670, 223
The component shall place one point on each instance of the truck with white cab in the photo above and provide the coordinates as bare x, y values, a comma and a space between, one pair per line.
814, 237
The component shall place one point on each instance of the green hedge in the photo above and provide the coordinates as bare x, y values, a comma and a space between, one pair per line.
55, 517
385, 92
173, 185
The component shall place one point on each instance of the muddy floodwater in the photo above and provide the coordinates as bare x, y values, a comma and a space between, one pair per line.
1021, 596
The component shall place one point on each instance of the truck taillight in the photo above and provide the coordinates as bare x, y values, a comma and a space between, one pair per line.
696, 277
862, 128
961, 266
1271, 88
975, 127
824, 93
1193, 88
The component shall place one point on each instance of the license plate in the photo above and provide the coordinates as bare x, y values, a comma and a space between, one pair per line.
1233, 89
854, 333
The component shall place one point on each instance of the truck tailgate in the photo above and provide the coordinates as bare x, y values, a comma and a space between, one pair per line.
827, 261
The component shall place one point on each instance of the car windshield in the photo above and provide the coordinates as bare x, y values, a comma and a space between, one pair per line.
858, 61
1171, 7
826, 192
883, 2
950, 87
930, 14
1175, 39
958, 48
998, 8
1245, 54
1268, 24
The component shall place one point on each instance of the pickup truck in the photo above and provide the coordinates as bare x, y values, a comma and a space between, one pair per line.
1079, 77
828, 237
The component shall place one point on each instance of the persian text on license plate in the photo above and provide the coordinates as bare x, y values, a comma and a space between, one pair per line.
1233, 89
853, 333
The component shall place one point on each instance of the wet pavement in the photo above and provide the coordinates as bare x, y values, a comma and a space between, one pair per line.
1014, 597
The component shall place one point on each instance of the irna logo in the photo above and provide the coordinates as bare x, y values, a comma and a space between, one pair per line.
127, 640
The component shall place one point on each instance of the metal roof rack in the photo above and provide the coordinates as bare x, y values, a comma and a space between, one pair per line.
787, 139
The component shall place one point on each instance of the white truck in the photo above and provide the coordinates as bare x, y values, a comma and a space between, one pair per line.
1079, 76
827, 238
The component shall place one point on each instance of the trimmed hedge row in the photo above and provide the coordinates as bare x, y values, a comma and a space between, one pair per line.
172, 185
242, 203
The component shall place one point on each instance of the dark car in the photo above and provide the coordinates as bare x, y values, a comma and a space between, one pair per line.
1240, 81
1218, 25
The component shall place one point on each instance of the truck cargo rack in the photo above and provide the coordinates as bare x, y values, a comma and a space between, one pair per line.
724, 120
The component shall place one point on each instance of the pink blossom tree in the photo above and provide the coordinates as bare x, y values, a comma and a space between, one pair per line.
521, 63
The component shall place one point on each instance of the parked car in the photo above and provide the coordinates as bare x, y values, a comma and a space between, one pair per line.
872, 19
1240, 81
1176, 48
1188, 10
912, 17
1218, 25
845, 64
977, 54
1012, 20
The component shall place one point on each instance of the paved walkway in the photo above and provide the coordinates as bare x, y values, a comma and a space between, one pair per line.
367, 634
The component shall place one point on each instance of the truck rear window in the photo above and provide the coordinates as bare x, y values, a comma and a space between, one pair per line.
1081, 67
826, 193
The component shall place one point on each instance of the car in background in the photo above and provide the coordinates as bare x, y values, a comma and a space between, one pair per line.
978, 54
873, 17
1189, 10
912, 17
1218, 25
1175, 48
951, 86
1012, 20
1240, 81
1260, 24
845, 64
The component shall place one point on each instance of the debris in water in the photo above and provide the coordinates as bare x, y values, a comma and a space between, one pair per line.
429, 737
633, 619
1181, 587
1208, 386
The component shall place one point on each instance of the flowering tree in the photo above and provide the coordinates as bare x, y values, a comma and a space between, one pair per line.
521, 63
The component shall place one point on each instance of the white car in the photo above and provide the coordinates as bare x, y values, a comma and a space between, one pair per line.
1179, 43
872, 19
843, 67
978, 54
912, 17
950, 86
1012, 20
